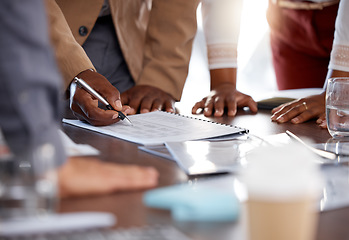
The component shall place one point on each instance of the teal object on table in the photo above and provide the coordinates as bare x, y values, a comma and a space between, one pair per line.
195, 203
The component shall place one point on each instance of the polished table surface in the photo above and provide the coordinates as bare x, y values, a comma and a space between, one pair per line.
131, 212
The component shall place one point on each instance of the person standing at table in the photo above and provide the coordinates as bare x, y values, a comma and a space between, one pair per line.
29, 106
221, 24
142, 47
301, 42
301, 37
314, 106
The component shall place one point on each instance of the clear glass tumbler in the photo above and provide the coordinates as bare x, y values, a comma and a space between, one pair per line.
28, 185
337, 107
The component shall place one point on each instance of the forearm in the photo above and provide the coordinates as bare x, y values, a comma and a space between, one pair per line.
223, 76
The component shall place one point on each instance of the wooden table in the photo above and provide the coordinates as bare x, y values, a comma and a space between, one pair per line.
128, 206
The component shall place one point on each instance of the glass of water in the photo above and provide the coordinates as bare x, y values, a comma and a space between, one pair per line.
337, 107
28, 184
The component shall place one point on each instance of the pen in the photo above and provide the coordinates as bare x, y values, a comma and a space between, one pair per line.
320, 152
82, 84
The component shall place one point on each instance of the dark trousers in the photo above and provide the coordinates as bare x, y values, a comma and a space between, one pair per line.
301, 43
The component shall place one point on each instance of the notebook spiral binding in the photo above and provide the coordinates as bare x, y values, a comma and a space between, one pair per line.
242, 130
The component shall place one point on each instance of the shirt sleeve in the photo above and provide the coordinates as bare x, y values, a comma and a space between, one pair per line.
30, 82
168, 44
340, 50
71, 57
221, 24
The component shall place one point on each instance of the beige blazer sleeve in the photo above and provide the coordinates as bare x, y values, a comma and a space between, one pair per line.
71, 57
169, 38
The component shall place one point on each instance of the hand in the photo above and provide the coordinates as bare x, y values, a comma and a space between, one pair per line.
224, 96
90, 176
85, 106
301, 110
322, 121
144, 99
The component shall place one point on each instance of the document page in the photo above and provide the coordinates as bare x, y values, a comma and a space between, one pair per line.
160, 127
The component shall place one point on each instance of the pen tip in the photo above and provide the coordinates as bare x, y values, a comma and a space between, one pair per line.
129, 121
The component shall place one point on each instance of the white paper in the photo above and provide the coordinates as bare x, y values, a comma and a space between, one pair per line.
156, 128
73, 149
56, 223
204, 157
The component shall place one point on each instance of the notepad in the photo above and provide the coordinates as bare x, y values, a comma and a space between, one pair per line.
158, 127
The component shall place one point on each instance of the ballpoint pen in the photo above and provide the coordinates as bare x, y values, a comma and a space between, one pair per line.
320, 152
82, 84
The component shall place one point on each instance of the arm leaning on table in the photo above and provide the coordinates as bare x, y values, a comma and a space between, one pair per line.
156, 46
168, 43
221, 22
29, 106
310, 107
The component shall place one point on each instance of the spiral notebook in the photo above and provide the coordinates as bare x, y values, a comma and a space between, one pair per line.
155, 128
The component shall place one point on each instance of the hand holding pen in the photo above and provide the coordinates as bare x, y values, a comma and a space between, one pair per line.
84, 105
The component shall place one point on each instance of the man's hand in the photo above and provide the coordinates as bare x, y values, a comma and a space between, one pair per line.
224, 96
85, 107
145, 99
90, 176
301, 110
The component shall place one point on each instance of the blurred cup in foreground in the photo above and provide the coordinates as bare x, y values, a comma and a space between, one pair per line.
337, 107
284, 186
28, 184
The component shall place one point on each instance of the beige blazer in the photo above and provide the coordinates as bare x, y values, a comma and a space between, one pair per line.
155, 37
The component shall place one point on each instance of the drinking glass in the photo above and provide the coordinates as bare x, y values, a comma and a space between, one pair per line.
28, 184
337, 107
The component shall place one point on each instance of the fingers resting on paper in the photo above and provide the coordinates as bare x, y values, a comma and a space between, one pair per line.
90, 176
223, 98
85, 107
143, 99
301, 110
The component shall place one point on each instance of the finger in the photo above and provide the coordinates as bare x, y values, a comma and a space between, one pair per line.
295, 114
252, 105
322, 116
135, 101
323, 124
127, 109
146, 104
218, 107
169, 106
231, 107
284, 108
157, 105
277, 109
208, 107
198, 106
247, 101
302, 117
86, 108
101, 85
